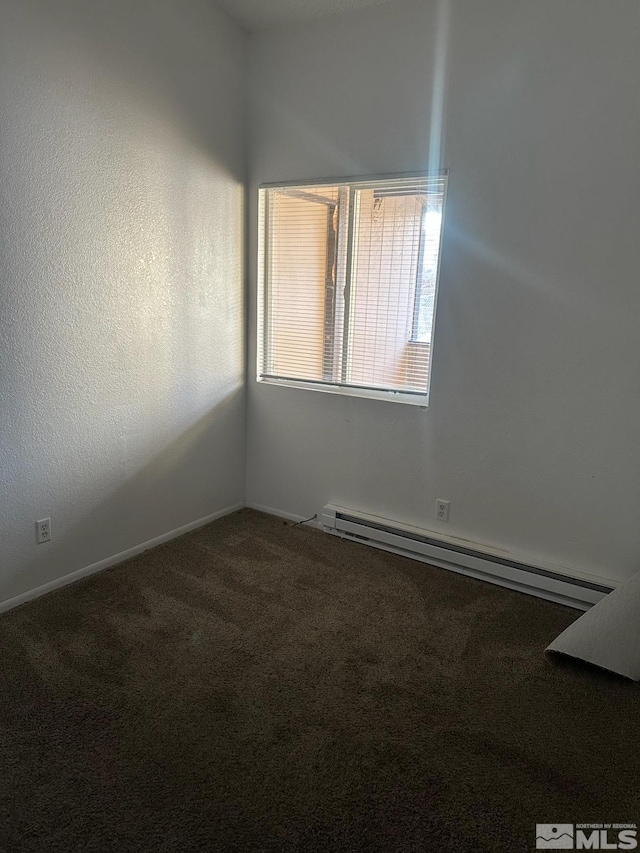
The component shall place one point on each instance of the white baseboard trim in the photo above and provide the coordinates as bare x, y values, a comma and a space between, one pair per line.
65, 580
317, 523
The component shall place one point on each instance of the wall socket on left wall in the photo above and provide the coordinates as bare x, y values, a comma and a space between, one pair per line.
43, 530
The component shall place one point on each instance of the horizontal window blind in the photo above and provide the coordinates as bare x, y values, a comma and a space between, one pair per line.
348, 280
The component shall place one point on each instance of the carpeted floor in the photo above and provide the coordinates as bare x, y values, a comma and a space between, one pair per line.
258, 687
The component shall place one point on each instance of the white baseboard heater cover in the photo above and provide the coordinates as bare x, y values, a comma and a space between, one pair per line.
578, 590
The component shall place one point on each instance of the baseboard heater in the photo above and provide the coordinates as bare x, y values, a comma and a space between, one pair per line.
580, 591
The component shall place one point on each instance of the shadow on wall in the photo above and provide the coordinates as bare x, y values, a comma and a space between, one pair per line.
176, 473
122, 290
160, 54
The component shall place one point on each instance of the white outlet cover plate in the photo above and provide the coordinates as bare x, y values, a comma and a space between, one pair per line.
442, 510
43, 535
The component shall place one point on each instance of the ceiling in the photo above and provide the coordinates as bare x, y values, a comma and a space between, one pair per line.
262, 14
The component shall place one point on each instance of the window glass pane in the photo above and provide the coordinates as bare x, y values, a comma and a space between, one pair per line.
428, 272
299, 226
386, 252
348, 278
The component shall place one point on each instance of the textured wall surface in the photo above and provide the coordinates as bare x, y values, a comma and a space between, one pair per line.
533, 429
261, 14
121, 276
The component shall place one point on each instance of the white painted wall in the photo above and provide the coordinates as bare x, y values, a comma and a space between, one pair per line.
534, 427
121, 276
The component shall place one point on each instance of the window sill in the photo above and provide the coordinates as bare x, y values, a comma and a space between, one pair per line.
421, 400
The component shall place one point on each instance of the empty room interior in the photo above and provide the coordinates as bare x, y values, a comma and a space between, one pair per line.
319, 425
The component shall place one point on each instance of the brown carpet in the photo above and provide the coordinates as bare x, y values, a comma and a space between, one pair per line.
257, 687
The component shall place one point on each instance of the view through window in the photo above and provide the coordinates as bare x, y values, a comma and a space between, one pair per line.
348, 283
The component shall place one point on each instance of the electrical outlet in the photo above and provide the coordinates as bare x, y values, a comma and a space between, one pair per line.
43, 530
442, 510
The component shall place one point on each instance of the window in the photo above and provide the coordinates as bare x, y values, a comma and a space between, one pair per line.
348, 284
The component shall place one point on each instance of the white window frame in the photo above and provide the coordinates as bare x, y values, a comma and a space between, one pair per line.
358, 182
